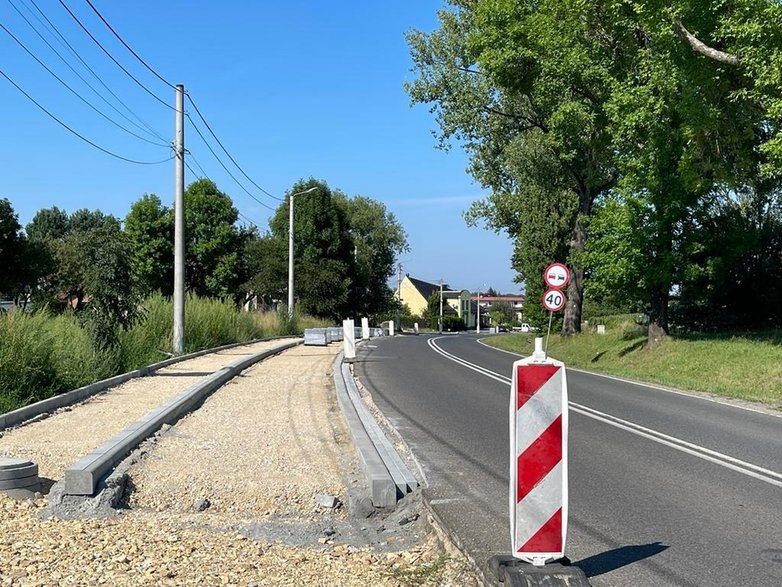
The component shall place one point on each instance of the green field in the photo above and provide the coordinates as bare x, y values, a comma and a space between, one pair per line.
745, 366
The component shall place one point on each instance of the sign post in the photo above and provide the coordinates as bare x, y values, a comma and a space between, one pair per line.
538, 492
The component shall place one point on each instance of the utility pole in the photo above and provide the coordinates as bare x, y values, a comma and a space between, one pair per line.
478, 325
399, 296
179, 223
441, 307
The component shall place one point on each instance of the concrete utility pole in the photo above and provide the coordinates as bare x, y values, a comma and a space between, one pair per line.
179, 224
441, 307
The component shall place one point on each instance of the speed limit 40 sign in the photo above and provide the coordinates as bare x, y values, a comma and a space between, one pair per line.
554, 300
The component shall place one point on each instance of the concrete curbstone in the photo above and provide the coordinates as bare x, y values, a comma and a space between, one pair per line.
382, 488
405, 480
82, 477
48, 405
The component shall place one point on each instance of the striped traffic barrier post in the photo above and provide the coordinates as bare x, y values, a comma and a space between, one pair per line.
538, 458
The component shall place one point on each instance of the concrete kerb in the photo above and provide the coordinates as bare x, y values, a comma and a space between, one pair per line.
82, 477
405, 481
382, 487
51, 404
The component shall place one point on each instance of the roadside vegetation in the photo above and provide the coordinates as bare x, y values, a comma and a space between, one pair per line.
44, 354
92, 292
739, 365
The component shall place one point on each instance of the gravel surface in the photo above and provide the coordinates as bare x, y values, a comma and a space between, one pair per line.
56, 442
227, 496
262, 442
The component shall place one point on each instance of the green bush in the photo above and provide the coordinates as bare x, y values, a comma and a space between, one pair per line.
41, 356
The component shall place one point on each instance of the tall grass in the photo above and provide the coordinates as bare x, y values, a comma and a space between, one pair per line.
43, 355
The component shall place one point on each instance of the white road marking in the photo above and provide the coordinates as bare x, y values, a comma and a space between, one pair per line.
650, 385
732, 463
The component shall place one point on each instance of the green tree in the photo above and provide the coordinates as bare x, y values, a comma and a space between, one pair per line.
213, 244
114, 301
266, 260
12, 244
501, 312
323, 250
378, 240
524, 88
149, 226
48, 224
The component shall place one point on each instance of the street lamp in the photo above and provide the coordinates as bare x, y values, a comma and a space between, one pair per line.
290, 249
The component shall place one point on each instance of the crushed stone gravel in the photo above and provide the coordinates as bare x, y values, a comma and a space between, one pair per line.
68, 434
259, 451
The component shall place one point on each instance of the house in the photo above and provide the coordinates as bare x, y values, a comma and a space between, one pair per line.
516, 302
416, 292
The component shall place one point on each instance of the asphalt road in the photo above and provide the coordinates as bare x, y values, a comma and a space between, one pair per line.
665, 488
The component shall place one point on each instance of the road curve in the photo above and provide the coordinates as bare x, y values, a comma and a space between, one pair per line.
665, 488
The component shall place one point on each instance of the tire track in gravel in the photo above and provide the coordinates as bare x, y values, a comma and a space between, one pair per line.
60, 440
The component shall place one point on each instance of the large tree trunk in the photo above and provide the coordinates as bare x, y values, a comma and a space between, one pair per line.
571, 324
658, 317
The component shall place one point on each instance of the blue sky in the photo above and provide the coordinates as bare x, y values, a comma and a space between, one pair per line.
293, 89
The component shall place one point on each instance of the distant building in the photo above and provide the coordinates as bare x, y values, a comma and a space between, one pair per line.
416, 292
517, 302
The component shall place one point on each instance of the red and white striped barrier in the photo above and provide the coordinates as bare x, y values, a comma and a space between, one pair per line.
538, 458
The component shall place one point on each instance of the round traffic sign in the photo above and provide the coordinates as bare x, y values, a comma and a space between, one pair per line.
554, 300
556, 275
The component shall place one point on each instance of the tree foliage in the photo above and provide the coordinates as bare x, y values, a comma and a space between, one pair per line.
627, 119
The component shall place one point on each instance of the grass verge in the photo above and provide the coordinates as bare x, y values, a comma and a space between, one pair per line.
747, 366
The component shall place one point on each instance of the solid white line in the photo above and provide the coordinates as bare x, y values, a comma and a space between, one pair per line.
477, 368
701, 453
755, 471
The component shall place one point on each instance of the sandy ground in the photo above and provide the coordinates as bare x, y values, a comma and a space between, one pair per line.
60, 440
258, 451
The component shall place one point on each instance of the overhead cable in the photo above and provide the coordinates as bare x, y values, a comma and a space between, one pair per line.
83, 138
110, 56
220, 161
201, 116
75, 93
129, 48
64, 42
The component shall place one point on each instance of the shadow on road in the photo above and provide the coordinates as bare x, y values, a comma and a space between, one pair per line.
608, 561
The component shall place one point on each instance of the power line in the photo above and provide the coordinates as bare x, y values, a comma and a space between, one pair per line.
190, 169
75, 93
86, 140
197, 164
64, 42
128, 47
201, 116
205, 175
110, 56
220, 161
